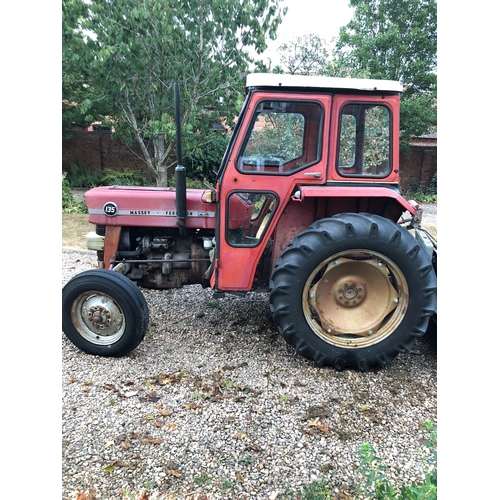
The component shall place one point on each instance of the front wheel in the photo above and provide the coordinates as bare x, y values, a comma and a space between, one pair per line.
352, 291
104, 313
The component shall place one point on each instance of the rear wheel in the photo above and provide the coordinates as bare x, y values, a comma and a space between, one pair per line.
353, 291
104, 313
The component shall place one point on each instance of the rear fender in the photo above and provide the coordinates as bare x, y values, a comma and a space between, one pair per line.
357, 192
311, 203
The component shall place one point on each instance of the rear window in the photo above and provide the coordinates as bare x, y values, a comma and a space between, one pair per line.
364, 141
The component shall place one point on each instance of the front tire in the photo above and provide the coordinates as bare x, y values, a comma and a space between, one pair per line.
353, 291
104, 313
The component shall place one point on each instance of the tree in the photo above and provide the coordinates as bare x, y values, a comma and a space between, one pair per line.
125, 55
80, 103
304, 55
396, 40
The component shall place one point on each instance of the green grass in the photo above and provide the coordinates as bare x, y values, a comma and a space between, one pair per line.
74, 229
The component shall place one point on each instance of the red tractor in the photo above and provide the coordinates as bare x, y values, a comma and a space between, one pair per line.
306, 206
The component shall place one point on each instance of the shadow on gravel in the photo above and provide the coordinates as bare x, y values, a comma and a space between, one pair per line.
430, 337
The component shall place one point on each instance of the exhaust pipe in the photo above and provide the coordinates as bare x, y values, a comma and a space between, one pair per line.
180, 171
180, 198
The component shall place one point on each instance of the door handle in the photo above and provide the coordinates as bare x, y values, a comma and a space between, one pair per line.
313, 174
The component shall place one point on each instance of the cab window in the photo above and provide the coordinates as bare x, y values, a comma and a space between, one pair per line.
364, 141
248, 216
284, 136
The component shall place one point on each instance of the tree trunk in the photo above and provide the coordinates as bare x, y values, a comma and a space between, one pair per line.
162, 179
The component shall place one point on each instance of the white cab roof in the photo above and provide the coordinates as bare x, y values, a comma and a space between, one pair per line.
275, 80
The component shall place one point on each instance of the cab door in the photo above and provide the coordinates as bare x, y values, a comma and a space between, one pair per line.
282, 142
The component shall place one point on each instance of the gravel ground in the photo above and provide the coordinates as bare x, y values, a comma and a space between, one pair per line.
429, 213
214, 404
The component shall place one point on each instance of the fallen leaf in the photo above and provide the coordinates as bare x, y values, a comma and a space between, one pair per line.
240, 435
170, 378
165, 412
254, 447
313, 423
170, 464
174, 472
147, 439
131, 394
109, 469
158, 423
316, 424
120, 438
152, 396
86, 496
318, 412
363, 407
190, 406
70, 381
172, 426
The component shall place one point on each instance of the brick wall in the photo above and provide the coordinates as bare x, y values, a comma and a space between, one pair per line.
97, 151
418, 169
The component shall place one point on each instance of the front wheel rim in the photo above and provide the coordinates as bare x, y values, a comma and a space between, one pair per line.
98, 318
355, 299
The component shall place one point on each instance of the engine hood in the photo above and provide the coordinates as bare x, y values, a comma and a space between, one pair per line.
147, 206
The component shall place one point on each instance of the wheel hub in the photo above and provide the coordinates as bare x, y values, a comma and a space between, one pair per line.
99, 316
351, 293
99, 319
350, 298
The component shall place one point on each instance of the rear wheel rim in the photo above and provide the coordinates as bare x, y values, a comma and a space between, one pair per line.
98, 318
355, 298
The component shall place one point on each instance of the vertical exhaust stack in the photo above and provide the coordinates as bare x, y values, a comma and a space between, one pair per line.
180, 171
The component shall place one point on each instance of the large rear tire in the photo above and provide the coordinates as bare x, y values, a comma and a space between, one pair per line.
353, 291
104, 313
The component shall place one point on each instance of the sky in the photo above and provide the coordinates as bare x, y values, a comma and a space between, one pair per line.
320, 17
